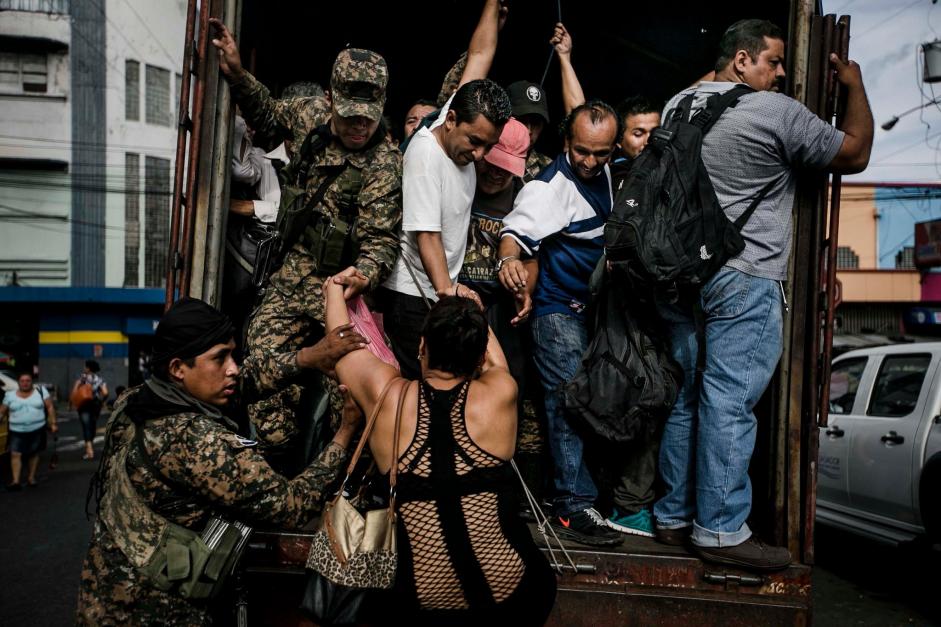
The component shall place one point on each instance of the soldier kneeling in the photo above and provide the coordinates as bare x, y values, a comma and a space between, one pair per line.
175, 476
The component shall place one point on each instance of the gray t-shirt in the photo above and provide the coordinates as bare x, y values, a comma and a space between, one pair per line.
767, 136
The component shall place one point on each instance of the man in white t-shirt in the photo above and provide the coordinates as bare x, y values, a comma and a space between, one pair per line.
438, 182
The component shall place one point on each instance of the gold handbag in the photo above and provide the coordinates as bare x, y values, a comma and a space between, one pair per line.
352, 549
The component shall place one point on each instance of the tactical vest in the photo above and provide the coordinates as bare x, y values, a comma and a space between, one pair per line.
330, 239
171, 557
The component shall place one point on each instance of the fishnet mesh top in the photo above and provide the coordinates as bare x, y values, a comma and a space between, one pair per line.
453, 496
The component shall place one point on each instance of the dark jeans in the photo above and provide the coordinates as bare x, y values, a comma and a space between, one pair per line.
89, 417
634, 479
403, 316
559, 341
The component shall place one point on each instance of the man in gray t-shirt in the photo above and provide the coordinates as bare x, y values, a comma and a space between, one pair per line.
710, 435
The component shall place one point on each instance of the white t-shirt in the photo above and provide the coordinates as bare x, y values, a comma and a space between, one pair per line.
436, 196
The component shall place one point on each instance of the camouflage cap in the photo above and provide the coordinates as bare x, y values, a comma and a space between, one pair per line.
359, 82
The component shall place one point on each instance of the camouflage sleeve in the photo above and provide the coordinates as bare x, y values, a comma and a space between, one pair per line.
452, 79
229, 471
380, 219
285, 119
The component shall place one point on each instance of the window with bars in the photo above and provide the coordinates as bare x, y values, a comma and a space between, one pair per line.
158, 96
846, 259
24, 73
131, 90
156, 220
131, 219
59, 7
905, 258
179, 88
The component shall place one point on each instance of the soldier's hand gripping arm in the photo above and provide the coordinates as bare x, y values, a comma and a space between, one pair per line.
268, 116
323, 355
572, 94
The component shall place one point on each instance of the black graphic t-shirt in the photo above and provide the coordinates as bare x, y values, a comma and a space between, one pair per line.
483, 242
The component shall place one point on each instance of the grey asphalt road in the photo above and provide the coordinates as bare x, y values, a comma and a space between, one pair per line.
44, 535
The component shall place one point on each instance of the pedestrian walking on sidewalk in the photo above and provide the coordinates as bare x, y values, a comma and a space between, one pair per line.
29, 410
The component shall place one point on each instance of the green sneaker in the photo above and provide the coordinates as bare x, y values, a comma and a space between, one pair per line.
639, 524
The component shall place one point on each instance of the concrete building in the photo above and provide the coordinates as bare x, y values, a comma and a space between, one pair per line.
89, 93
883, 293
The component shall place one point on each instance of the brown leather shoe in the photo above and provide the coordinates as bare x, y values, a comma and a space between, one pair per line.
673, 537
752, 554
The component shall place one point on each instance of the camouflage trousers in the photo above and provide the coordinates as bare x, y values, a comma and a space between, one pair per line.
281, 326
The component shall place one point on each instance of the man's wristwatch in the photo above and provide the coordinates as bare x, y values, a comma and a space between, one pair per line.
503, 260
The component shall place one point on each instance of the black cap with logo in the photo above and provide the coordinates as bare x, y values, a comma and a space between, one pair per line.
528, 98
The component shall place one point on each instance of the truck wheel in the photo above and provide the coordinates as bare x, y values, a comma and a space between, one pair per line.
928, 493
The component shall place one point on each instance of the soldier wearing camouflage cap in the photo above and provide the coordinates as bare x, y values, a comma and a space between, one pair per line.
171, 461
364, 202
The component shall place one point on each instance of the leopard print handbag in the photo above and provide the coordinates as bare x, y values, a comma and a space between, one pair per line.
353, 549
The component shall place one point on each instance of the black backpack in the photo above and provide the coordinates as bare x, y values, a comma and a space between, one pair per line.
667, 229
628, 381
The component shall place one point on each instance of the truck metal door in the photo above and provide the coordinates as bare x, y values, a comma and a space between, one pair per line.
882, 440
833, 462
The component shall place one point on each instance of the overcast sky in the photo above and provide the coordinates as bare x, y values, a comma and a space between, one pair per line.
886, 36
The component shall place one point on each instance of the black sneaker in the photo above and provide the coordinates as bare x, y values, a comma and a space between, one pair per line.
586, 527
752, 554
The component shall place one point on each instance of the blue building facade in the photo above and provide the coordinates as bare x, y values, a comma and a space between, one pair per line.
57, 328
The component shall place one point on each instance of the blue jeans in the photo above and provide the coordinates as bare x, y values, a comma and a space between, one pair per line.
709, 437
559, 342
88, 418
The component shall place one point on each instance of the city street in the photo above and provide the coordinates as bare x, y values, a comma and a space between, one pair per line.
45, 534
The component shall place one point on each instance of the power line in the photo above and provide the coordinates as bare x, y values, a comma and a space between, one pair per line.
885, 21
93, 144
153, 37
909, 147
85, 188
65, 219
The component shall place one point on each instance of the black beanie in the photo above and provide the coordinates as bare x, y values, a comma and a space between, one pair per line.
189, 328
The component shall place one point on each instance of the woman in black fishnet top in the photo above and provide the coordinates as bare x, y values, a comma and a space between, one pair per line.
464, 555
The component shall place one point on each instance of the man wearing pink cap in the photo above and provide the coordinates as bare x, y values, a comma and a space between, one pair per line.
499, 179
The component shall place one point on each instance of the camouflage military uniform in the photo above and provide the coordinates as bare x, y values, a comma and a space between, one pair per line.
291, 313
213, 469
536, 162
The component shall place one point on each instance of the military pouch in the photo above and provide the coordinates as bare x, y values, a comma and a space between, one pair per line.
293, 215
331, 243
171, 557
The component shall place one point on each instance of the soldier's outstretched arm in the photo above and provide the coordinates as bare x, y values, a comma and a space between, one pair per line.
229, 471
380, 219
268, 116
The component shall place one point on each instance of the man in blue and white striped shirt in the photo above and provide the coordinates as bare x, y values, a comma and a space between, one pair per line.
559, 219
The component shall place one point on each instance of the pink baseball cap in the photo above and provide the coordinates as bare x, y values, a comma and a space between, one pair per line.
510, 152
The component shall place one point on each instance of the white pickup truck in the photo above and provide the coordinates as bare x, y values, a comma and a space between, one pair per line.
879, 470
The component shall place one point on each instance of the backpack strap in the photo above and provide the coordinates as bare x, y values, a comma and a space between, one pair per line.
680, 113
716, 106
742, 219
